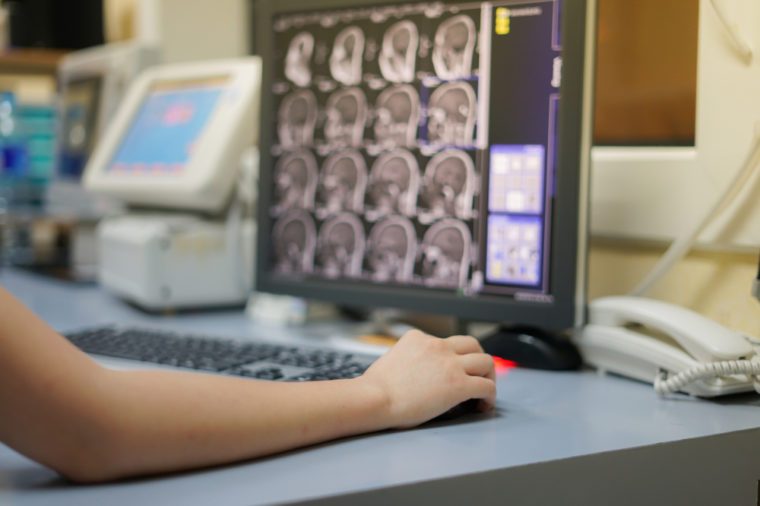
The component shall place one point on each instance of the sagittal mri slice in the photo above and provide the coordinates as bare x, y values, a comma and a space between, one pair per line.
391, 250
394, 185
375, 177
295, 181
343, 183
446, 253
298, 59
454, 47
347, 55
449, 186
398, 55
295, 239
397, 113
452, 114
346, 117
340, 248
297, 119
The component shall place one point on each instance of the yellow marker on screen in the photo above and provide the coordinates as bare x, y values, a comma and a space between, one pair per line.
503, 21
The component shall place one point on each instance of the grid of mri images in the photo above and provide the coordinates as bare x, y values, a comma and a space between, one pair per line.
379, 146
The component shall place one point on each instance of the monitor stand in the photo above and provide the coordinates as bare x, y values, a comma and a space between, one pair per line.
391, 324
533, 348
378, 326
384, 326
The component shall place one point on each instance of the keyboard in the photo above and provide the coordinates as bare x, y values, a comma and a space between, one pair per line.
259, 360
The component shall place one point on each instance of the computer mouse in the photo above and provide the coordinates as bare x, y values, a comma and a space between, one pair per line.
533, 348
467, 407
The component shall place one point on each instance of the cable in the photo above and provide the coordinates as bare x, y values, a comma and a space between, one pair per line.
740, 43
681, 246
756, 287
665, 385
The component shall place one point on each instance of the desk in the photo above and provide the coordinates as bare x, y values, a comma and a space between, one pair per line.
571, 438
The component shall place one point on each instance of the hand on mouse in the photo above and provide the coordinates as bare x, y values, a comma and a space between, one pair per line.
422, 377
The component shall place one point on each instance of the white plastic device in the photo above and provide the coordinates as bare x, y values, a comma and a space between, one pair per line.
674, 348
176, 262
205, 181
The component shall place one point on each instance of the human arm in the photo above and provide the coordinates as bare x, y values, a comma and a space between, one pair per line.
91, 424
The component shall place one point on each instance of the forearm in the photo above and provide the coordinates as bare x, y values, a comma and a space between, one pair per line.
91, 424
170, 421
60, 408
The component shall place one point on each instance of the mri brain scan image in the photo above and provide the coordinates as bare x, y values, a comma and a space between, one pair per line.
347, 55
454, 47
391, 250
343, 183
295, 181
452, 115
449, 186
398, 55
297, 119
298, 59
398, 114
446, 253
340, 249
375, 177
394, 185
294, 243
346, 117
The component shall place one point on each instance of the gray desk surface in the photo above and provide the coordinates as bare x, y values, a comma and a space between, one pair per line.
542, 419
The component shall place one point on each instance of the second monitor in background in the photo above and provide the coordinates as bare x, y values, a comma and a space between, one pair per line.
429, 156
92, 84
175, 154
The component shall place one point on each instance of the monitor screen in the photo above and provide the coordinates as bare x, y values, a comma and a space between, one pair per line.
80, 107
165, 128
414, 155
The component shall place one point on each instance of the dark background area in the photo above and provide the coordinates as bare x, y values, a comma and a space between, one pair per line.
55, 24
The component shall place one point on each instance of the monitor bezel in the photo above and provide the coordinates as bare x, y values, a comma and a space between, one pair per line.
96, 82
569, 234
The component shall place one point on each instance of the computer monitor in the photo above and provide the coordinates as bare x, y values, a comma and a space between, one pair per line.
178, 138
92, 82
429, 156
670, 71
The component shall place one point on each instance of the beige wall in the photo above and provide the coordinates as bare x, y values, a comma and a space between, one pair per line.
715, 284
120, 18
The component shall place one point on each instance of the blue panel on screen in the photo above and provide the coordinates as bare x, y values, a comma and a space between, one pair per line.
164, 132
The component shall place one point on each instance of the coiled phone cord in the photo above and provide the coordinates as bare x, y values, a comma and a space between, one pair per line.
665, 385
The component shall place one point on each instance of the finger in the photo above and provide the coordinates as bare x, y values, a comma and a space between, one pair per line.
464, 344
477, 364
486, 406
492, 373
483, 389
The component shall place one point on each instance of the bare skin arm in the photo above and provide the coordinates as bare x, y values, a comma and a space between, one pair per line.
91, 424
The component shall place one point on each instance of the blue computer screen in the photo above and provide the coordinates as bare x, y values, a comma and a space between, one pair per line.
166, 128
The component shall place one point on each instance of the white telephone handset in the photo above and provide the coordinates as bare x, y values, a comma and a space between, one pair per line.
676, 349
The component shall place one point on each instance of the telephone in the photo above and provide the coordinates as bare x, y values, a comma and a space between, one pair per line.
676, 349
